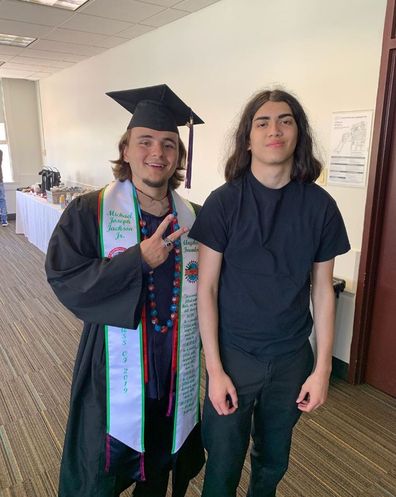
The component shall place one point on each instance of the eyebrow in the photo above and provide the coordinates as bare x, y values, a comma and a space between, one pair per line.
267, 118
168, 138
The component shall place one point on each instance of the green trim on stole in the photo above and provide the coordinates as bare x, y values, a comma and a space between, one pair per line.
121, 210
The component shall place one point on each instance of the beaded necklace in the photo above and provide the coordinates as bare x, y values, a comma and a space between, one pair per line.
172, 322
174, 306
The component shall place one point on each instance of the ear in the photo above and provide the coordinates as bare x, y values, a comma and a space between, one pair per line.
124, 157
248, 146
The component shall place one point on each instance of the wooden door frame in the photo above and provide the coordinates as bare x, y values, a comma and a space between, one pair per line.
377, 184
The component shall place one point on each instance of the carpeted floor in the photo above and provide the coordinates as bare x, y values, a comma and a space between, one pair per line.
345, 449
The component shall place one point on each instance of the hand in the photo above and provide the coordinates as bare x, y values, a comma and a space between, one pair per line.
222, 393
313, 393
153, 250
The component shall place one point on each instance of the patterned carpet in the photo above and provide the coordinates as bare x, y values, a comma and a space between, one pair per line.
345, 449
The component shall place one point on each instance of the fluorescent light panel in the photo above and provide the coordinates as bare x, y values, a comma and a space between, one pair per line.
16, 41
62, 4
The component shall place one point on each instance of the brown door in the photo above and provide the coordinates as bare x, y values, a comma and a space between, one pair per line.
381, 355
373, 351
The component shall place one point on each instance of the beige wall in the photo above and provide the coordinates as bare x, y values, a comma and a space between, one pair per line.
23, 130
327, 53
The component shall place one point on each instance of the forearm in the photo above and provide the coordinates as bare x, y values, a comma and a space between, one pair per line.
208, 326
323, 301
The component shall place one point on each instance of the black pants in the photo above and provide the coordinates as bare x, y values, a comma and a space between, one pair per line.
267, 411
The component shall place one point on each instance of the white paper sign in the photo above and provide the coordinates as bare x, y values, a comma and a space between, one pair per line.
350, 145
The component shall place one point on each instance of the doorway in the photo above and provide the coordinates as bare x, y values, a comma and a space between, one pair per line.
373, 349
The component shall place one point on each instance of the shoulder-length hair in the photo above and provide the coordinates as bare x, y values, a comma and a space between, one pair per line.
122, 169
306, 167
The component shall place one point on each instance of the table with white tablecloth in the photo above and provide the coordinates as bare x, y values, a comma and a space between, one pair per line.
36, 218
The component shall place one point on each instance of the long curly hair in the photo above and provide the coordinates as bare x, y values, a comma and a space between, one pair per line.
306, 167
122, 169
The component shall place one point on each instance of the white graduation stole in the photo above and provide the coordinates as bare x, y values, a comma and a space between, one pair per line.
119, 229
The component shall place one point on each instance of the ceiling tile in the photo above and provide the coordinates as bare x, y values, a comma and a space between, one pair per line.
33, 13
65, 38
123, 10
113, 41
136, 30
42, 54
28, 67
6, 49
71, 48
95, 24
163, 3
13, 73
165, 17
71, 36
4, 58
39, 75
194, 5
41, 62
23, 29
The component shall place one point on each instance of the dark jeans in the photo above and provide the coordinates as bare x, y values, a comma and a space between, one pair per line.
267, 411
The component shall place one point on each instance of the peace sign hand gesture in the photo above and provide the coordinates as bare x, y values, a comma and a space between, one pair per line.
155, 250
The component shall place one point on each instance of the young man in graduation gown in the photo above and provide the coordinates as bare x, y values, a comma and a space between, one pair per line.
120, 259
265, 237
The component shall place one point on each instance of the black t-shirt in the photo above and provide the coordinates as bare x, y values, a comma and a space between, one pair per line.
269, 239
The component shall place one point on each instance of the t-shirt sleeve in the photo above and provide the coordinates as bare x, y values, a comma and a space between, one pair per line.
210, 226
334, 239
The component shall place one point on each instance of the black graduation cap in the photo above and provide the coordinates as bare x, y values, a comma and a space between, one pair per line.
158, 107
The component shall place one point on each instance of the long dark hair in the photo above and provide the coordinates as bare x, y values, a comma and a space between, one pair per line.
306, 167
122, 169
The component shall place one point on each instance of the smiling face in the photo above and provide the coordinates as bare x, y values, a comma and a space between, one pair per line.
273, 137
152, 156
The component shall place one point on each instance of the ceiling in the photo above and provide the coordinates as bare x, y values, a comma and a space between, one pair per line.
64, 37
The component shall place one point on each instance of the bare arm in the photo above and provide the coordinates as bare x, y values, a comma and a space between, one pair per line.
314, 391
220, 384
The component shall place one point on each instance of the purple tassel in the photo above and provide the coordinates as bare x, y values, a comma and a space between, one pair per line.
142, 473
187, 183
107, 464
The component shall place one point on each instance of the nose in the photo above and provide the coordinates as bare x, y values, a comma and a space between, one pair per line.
157, 149
274, 129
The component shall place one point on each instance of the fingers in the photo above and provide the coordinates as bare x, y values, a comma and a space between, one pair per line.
304, 400
156, 248
234, 398
313, 393
224, 407
159, 232
308, 402
177, 234
302, 395
223, 395
163, 226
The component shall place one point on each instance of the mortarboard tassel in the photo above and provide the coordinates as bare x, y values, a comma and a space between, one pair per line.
190, 125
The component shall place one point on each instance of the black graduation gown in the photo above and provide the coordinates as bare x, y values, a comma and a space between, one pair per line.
99, 291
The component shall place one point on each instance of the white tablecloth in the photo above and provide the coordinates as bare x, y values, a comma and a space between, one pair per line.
36, 219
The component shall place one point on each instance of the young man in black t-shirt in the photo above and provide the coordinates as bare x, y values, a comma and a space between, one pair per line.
266, 236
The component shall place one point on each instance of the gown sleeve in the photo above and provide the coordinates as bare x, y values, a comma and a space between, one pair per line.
95, 288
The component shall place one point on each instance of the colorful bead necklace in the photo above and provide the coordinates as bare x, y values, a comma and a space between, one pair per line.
174, 306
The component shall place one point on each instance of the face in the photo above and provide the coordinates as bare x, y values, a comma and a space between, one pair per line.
273, 136
152, 156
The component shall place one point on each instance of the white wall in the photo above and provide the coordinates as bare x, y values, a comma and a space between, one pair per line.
327, 53
23, 131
